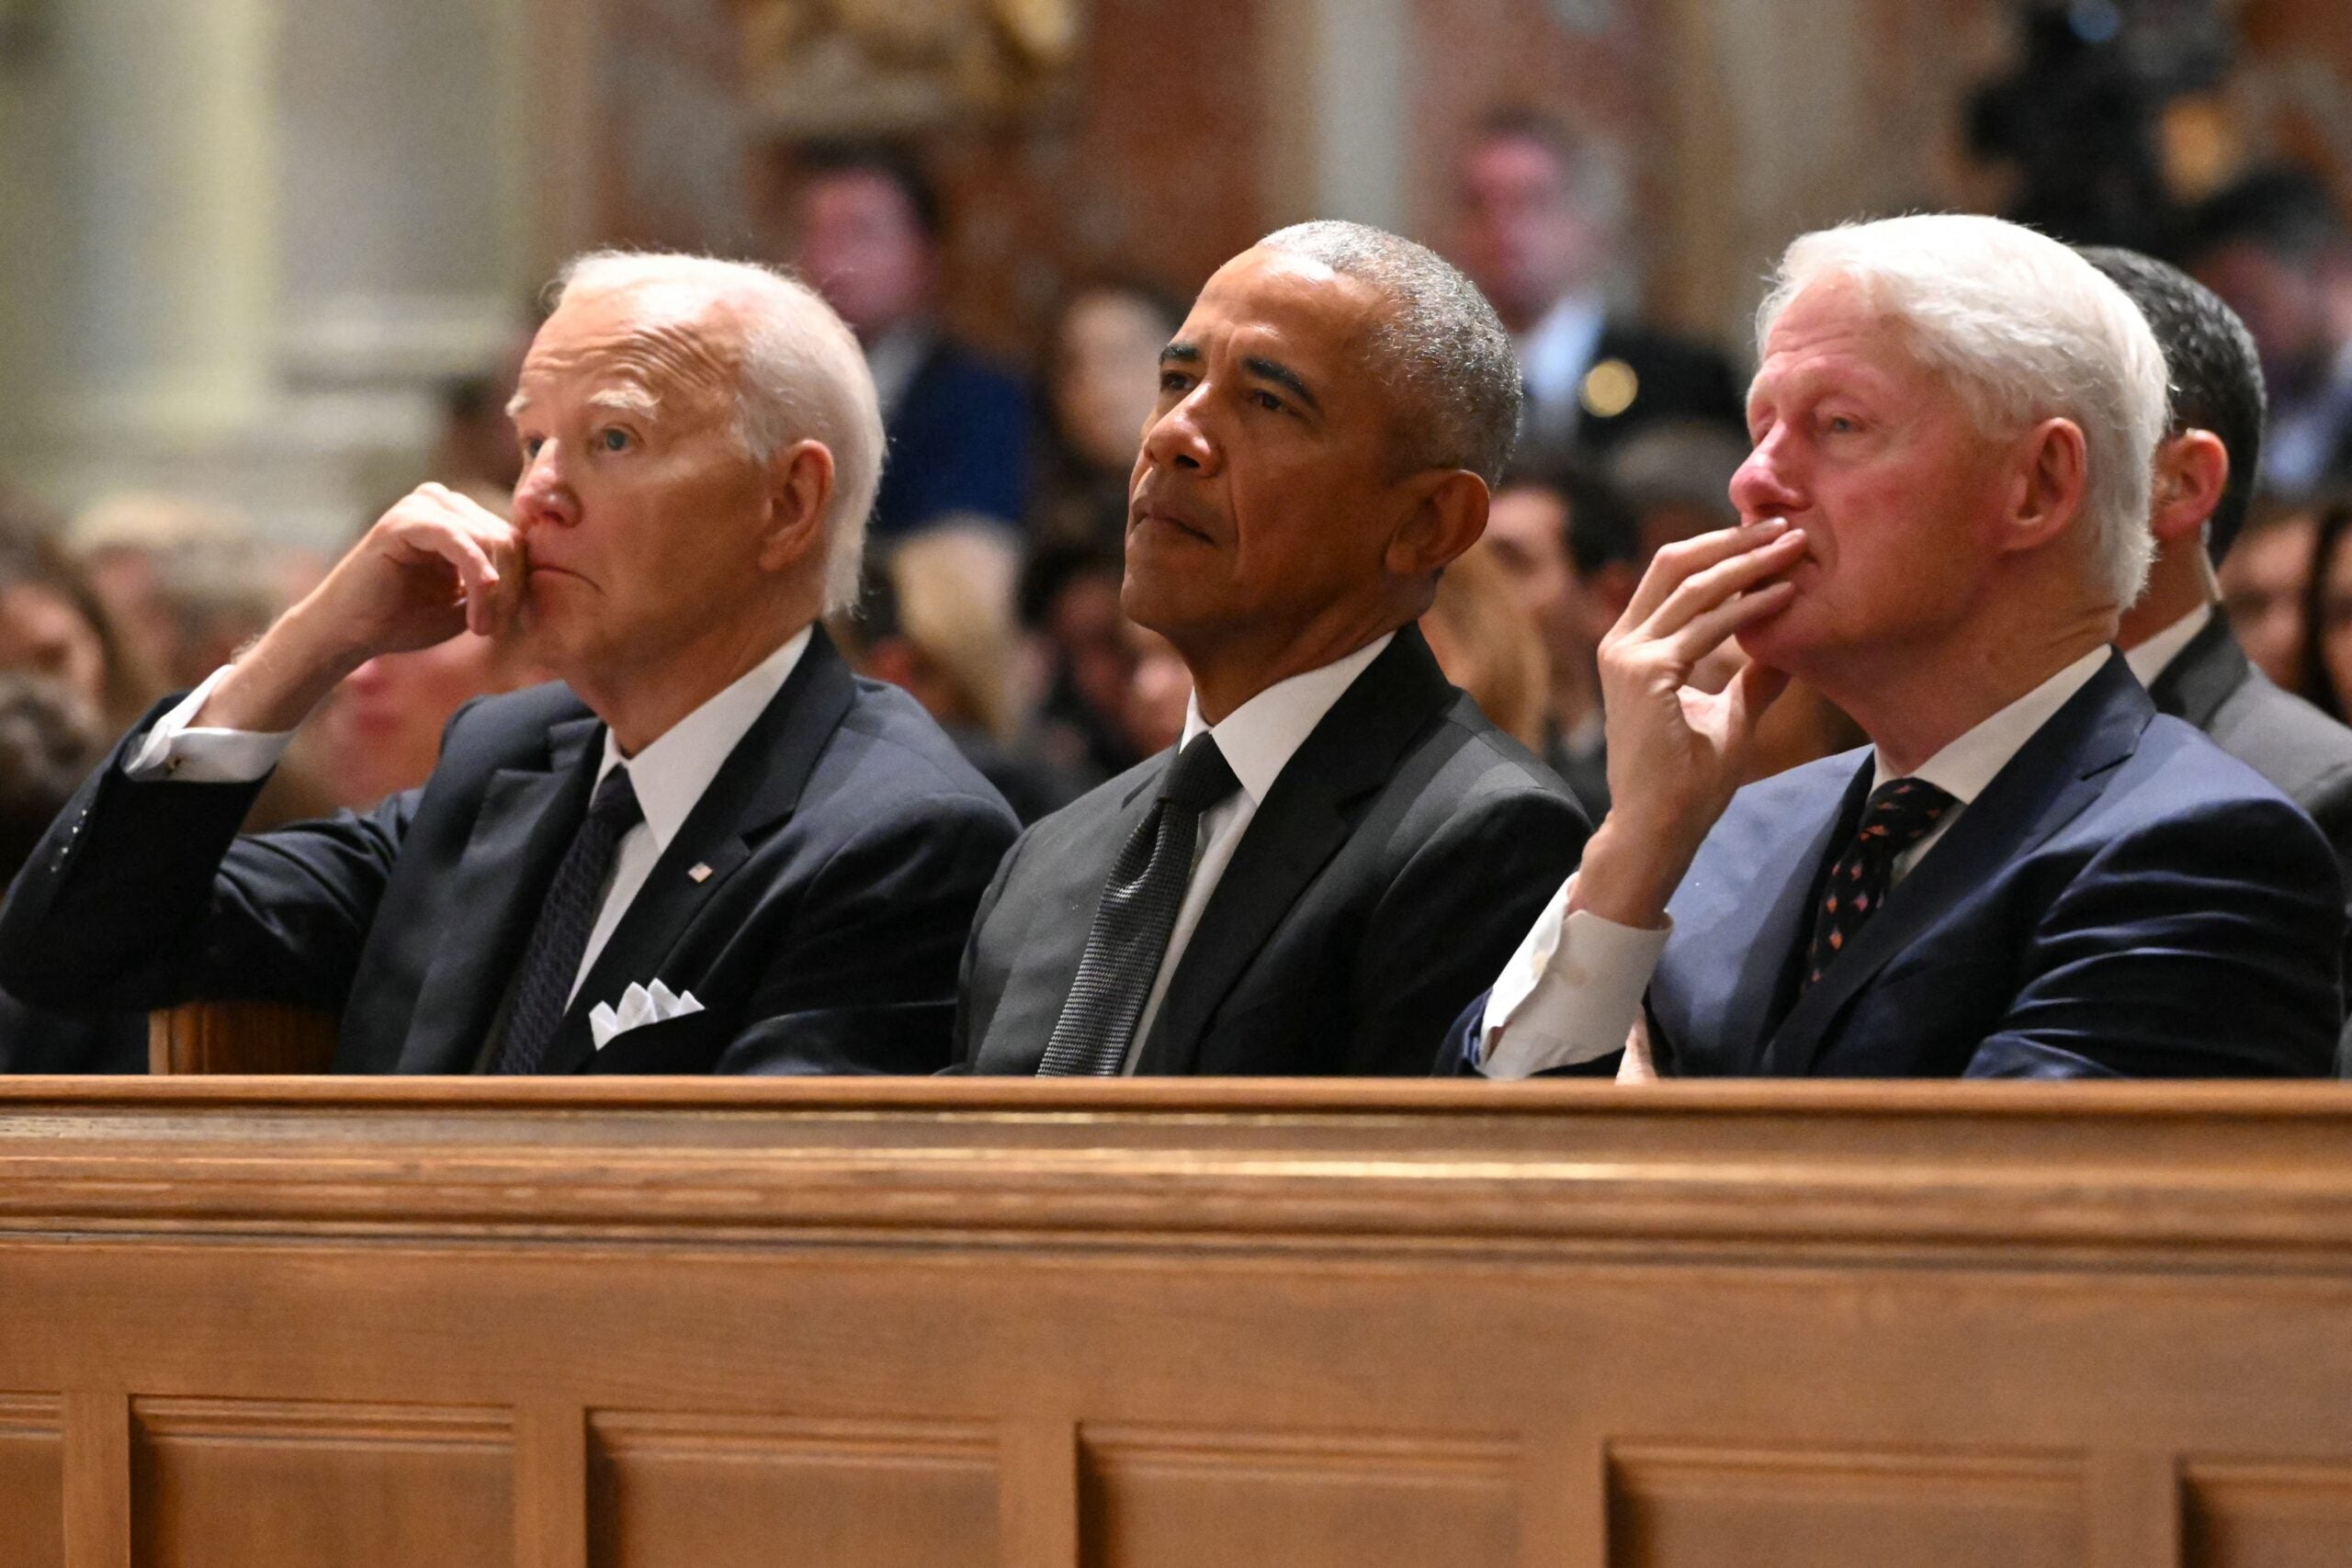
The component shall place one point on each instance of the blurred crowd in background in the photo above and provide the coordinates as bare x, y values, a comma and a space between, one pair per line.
995, 558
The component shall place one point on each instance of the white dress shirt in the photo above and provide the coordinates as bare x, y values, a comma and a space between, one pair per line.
2148, 660
1573, 989
669, 775
1554, 355
1258, 739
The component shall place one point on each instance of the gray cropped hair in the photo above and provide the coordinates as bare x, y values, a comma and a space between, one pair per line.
803, 378
2026, 330
1442, 351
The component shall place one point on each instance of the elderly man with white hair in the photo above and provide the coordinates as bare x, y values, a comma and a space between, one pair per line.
710, 849
2029, 873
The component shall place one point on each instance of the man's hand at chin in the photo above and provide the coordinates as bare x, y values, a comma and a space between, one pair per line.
434, 565
1677, 747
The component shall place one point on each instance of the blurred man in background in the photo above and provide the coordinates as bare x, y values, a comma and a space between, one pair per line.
870, 225
1538, 232
2274, 248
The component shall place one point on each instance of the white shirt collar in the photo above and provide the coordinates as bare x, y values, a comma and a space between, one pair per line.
1259, 738
1557, 350
893, 358
1963, 768
671, 774
2148, 660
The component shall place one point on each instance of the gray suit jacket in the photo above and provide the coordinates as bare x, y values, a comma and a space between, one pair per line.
2299, 749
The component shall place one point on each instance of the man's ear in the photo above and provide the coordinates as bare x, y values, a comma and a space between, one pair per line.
2051, 481
800, 488
1446, 519
2192, 469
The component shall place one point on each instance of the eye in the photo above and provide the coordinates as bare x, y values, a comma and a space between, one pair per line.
1174, 381
531, 444
1841, 424
613, 438
1267, 401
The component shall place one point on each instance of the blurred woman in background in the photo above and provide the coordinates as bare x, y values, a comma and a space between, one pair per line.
1101, 378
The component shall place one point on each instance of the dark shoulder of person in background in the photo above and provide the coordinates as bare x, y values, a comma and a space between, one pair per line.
48, 742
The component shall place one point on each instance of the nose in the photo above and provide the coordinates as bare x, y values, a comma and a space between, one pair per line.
543, 495
1769, 484
1178, 439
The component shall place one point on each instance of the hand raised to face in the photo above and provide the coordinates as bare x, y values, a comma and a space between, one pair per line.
434, 565
1676, 749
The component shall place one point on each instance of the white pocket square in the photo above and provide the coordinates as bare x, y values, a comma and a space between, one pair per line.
639, 1006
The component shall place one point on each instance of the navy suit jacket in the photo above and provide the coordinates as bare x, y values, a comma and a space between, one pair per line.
958, 441
846, 844
1387, 874
2124, 899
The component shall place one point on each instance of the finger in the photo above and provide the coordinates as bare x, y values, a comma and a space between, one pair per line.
1697, 638
1720, 583
440, 537
1676, 563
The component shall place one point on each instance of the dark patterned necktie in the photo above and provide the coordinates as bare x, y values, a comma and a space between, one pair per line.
1899, 814
1132, 925
551, 959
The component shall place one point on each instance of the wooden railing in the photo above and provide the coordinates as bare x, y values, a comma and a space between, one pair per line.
1320, 1326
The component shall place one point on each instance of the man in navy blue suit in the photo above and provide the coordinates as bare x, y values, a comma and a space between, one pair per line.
711, 849
2029, 873
871, 225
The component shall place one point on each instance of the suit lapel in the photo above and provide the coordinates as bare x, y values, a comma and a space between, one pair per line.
527, 821
2203, 675
1298, 827
1787, 877
2053, 777
758, 786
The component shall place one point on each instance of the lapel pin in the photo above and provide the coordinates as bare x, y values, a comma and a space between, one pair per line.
701, 873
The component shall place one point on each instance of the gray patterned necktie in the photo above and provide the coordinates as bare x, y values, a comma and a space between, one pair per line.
551, 959
1132, 925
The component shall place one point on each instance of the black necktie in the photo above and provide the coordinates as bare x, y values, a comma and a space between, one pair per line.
551, 959
1139, 911
1899, 814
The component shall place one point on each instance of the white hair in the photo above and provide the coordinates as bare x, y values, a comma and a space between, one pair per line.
2026, 330
803, 378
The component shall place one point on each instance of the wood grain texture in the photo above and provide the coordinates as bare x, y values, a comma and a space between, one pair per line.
32, 1480
1113, 1324
239, 1037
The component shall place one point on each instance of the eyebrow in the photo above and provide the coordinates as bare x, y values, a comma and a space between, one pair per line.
1274, 370
622, 400
1282, 376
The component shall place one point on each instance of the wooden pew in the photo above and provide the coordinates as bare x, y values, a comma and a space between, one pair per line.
1149, 1325
240, 1037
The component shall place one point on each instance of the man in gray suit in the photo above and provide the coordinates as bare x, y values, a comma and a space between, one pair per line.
2176, 638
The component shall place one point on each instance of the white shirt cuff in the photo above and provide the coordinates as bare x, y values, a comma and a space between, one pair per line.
1570, 995
170, 749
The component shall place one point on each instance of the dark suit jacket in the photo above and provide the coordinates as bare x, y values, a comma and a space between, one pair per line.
958, 441
2307, 754
1386, 875
847, 843
2123, 899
